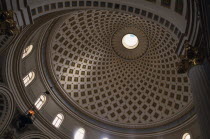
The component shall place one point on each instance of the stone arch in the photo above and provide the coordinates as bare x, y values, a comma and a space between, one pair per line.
6, 107
32, 135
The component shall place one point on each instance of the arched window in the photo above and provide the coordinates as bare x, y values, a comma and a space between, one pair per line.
80, 133
186, 136
40, 102
27, 51
28, 78
58, 120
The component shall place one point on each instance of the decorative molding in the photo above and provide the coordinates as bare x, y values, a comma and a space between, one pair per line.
15, 82
7, 24
9, 108
193, 56
32, 135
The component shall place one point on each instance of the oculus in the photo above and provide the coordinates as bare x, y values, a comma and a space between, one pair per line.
130, 41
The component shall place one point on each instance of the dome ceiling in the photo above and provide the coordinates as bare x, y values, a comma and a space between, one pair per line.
136, 88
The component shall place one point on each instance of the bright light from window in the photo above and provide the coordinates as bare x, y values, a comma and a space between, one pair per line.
27, 51
28, 78
58, 120
80, 133
105, 138
186, 136
40, 102
130, 41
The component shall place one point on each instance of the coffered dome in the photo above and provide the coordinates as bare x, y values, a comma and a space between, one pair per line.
104, 69
132, 88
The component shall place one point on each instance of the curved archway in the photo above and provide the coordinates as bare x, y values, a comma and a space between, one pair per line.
33, 135
6, 107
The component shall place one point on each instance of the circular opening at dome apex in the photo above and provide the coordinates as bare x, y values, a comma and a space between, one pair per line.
130, 41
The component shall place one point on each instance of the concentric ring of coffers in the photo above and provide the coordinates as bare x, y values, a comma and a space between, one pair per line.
139, 93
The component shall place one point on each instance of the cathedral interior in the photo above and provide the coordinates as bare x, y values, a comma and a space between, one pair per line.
105, 69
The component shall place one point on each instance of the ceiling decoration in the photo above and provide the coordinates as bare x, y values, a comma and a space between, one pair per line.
131, 54
6, 108
3, 107
136, 88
